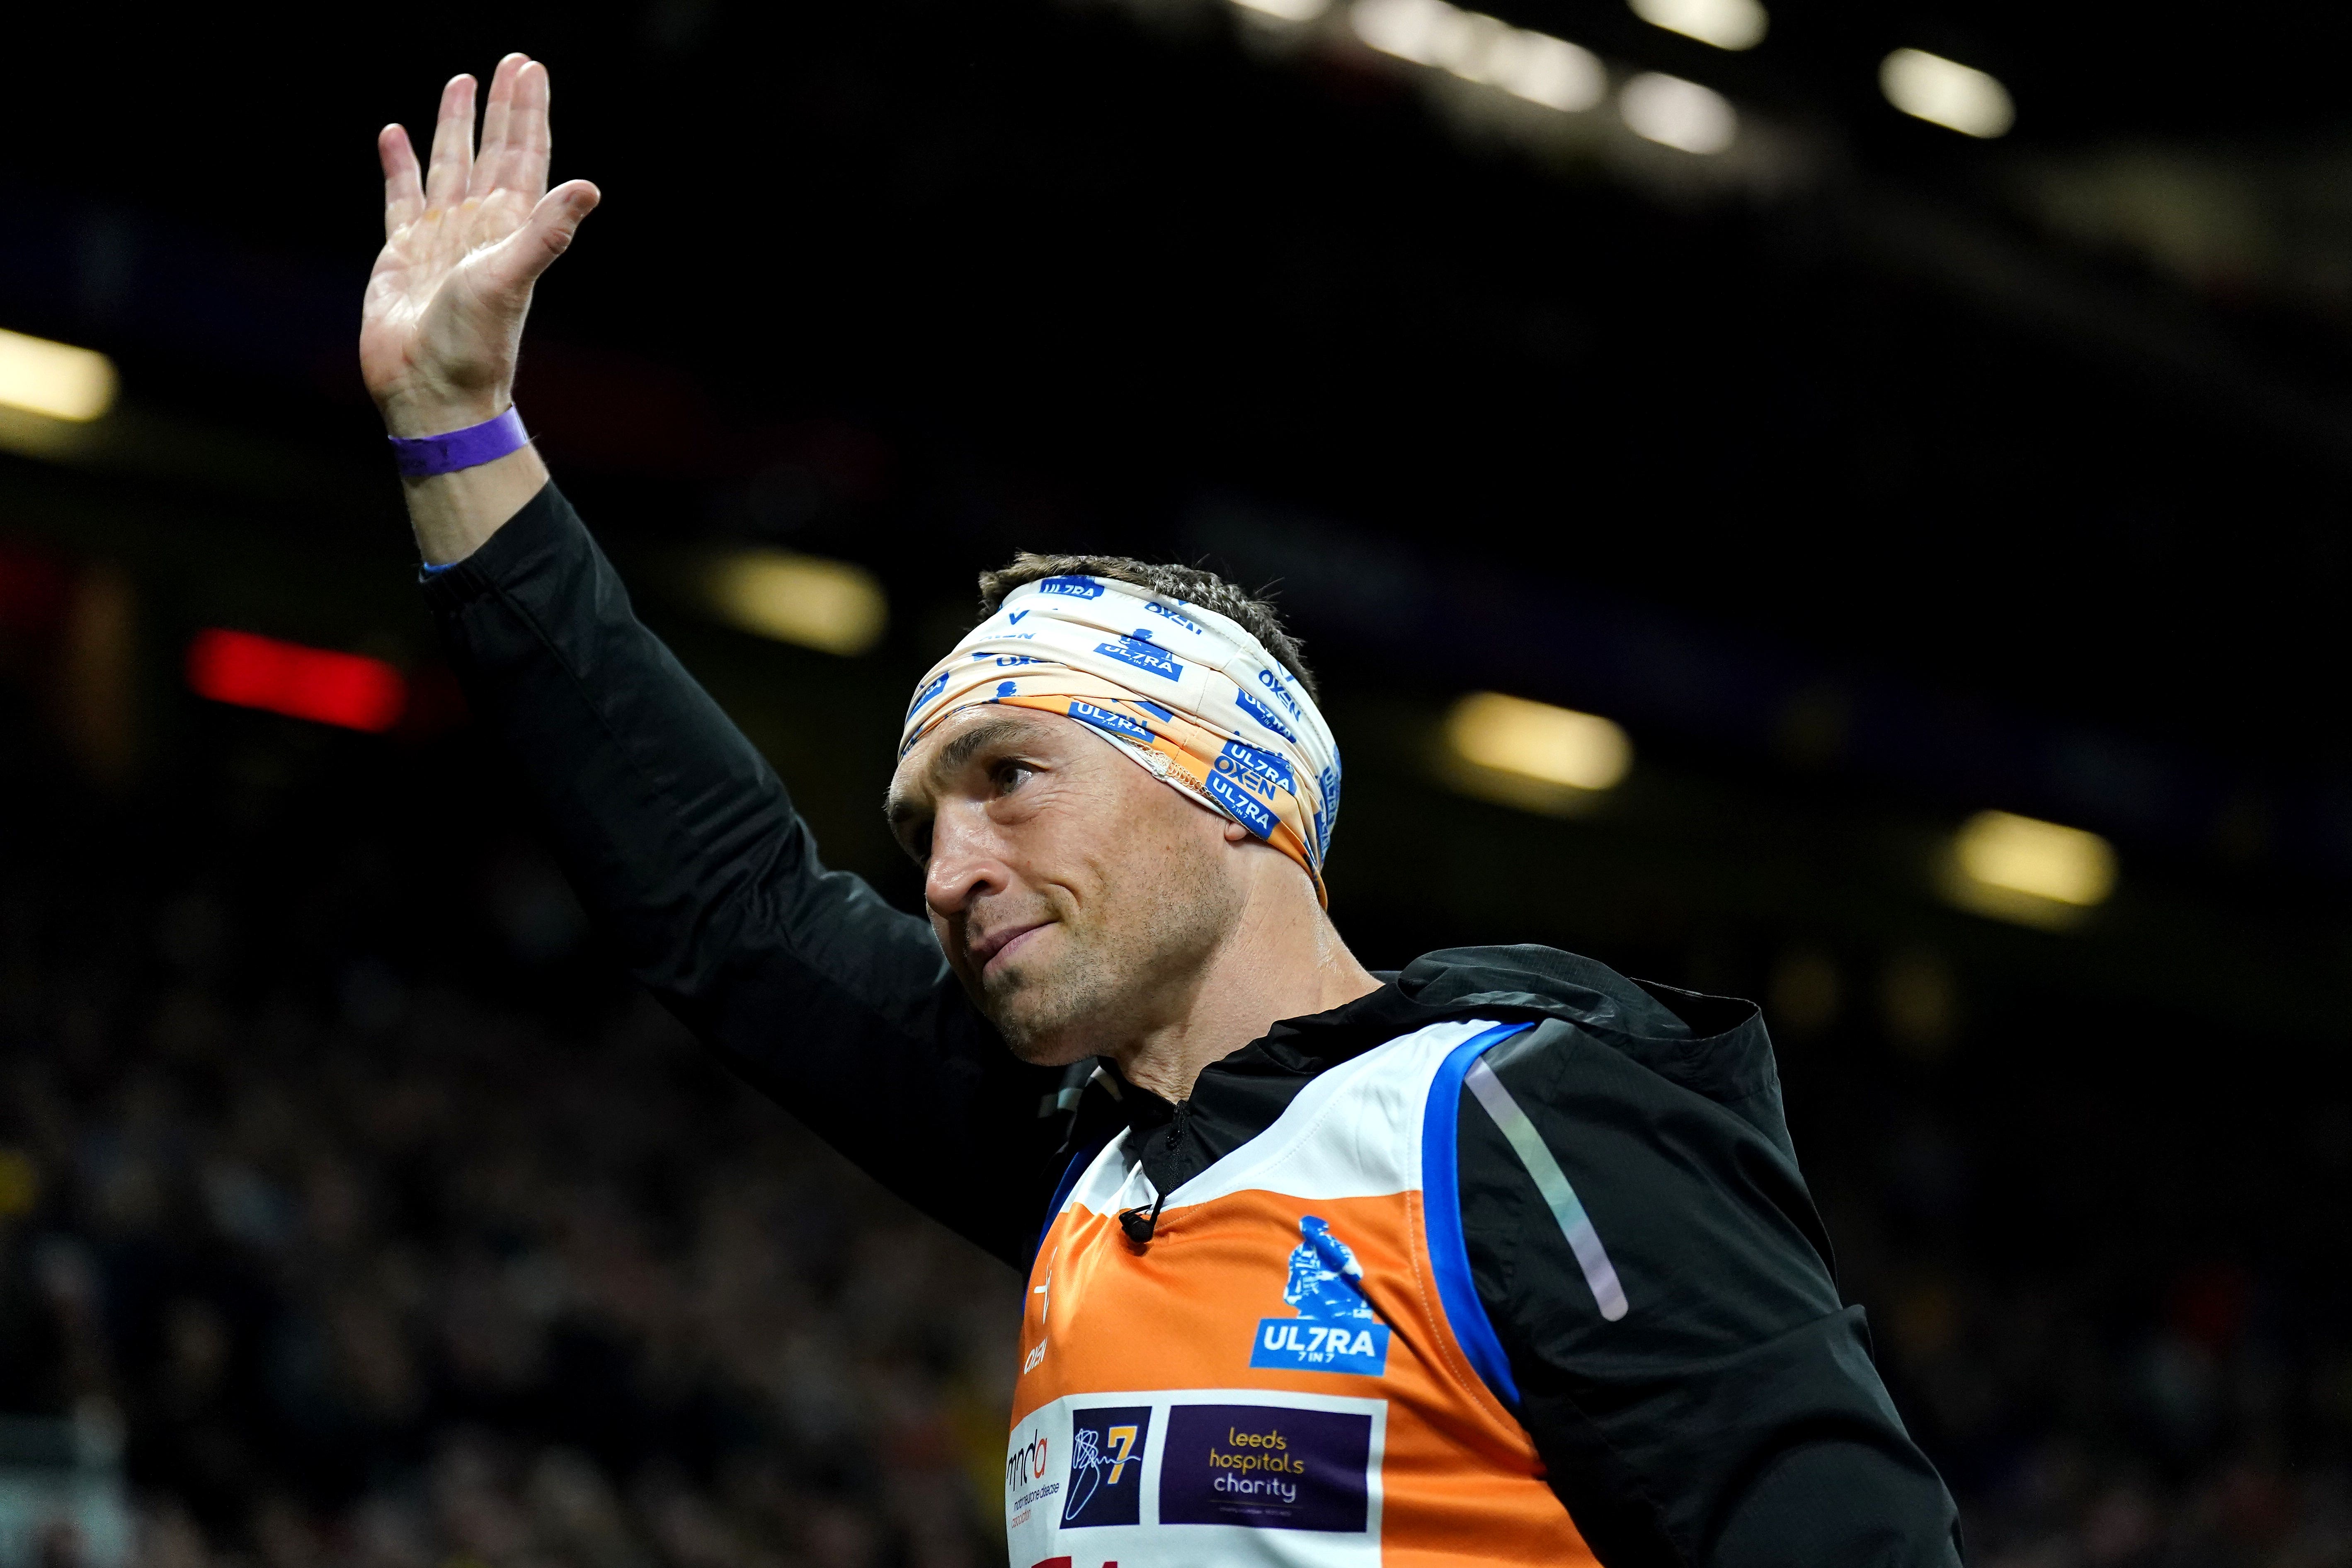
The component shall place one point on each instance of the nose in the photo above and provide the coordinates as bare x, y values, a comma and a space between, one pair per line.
966, 863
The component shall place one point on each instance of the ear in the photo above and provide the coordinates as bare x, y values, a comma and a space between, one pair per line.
1235, 832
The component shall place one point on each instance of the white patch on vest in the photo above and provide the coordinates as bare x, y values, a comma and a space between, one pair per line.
1354, 1132
1111, 1183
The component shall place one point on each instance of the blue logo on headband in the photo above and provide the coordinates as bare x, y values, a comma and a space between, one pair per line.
936, 684
1237, 800
1273, 683
1071, 587
1159, 609
1262, 713
1143, 655
1006, 689
1261, 771
1104, 718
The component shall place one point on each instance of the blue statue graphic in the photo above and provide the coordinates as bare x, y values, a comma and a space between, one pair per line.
1327, 1283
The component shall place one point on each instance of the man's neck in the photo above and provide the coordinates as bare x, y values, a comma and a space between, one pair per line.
1280, 960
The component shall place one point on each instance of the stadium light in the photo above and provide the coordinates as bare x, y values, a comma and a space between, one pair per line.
56, 380
830, 606
346, 690
1945, 92
1497, 746
1288, 10
1478, 48
2021, 869
1543, 69
1677, 113
1726, 24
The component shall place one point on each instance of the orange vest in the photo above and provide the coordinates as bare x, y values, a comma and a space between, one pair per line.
1296, 1369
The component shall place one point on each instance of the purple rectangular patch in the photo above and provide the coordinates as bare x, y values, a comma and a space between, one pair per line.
1269, 1466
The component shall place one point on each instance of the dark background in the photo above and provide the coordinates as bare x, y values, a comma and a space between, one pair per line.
1870, 475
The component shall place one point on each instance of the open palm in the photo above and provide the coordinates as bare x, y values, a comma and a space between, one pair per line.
464, 243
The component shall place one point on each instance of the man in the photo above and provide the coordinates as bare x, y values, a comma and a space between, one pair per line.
1503, 1259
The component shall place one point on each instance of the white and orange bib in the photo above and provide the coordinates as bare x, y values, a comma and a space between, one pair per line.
1297, 1369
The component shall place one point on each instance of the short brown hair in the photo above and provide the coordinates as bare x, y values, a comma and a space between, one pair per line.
1190, 584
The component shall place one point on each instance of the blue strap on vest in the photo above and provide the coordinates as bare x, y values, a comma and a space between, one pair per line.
1077, 1168
1440, 1208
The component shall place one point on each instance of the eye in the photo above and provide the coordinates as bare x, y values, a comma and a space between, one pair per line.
1008, 776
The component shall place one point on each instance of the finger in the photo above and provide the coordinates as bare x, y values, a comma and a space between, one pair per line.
489, 160
453, 146
528, 141
403, 186
523, 254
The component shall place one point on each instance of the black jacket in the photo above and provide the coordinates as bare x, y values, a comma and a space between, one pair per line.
1732, 1417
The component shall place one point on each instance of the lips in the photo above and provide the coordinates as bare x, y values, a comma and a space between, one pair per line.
1000, 942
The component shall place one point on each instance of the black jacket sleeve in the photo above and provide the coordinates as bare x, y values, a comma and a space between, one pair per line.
1732, 1416
685, 846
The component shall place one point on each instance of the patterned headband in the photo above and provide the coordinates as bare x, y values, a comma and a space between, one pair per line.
1185, 693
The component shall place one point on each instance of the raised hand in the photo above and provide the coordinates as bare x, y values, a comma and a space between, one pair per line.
464, 242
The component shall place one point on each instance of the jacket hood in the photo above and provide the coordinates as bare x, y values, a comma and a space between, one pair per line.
1716, 1046
1712, 1045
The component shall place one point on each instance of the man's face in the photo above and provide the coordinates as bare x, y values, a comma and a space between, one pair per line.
1077, 897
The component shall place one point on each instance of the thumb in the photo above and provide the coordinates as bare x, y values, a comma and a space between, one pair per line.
528, 251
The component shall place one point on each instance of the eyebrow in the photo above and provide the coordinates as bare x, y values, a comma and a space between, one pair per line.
901, 809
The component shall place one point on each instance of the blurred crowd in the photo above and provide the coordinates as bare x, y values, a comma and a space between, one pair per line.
2184, 1444
2100, 1394
370, 1270
386, 1259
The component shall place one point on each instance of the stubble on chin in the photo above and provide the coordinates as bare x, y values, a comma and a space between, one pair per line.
1045, 1010
1109, 979
1056, 1005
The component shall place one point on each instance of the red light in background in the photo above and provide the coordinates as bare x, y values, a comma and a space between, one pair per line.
314, 683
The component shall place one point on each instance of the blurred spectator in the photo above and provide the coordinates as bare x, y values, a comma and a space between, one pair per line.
423, 1279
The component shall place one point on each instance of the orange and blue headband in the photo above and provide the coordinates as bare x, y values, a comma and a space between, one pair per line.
1186, 693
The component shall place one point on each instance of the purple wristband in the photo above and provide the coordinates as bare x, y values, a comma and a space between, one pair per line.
420, 456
